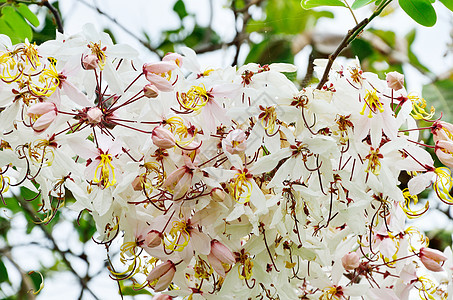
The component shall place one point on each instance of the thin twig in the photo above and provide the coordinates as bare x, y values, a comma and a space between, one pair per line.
55, 14
146, 44
31, 213
352, 34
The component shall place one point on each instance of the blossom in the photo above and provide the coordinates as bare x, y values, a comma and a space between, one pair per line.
161, 276
432, 259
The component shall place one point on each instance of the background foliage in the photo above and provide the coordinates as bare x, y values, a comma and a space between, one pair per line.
265, 31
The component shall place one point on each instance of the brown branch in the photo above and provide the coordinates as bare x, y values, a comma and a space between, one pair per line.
344, 43
63, 253
352, 34
55, 14
146, 44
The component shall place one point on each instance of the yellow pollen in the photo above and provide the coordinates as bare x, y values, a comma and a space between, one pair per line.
418, 108
268, 119
374, 165
102, 172
195, 98
372, 102
97, 50
172, 240
241, 185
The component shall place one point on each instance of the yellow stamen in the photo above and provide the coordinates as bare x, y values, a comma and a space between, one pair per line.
195, 98
99, 52
408, 198
443, 184
241, 185
106, 167
374, 165
172, 239
373, 103
418, 108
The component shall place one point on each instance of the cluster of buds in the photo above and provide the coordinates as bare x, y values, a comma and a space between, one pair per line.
229, 182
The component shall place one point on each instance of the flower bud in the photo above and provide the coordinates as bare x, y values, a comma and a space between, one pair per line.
90, 62
217, 195
162, 297
137, 184
444, 152
153, 239
161, 276
46, 112
177, 58
432, 259
395, 80
442, 131
235, 142
94, 115
163, 138
350, 261
151, 91
220, 255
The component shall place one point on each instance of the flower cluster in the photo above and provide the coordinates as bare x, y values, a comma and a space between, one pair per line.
228, 183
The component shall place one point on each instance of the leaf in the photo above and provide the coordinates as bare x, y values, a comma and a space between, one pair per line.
448, 4
180, 9
19, 27
421, 11
360, 3
3, 272
440, 95
28, 14
307, 4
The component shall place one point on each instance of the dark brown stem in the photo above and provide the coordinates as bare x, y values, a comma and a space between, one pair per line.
146, 44
344, 43
352, 34
55, 14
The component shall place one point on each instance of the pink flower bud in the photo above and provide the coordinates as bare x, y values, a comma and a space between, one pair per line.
163, 138
151, 91
137, 184
162, 297
94, 115
444, 151
153, 239
90, 62
220, 255
442, 131
235, 142
432, 259
160, 277
217, 195
395, 80
177, 58
41, 108
179, 182
350, 261
46, 112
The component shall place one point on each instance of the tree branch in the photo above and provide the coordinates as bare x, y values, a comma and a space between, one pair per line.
146, 44
352, 34
55, 14
31, 213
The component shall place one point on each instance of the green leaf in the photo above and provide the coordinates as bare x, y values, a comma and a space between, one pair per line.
28, 14
448, 4
360, 3
362, 49
20, 28
130, 291
3, 272
307, 4
421, 11
180, 9
440, 95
